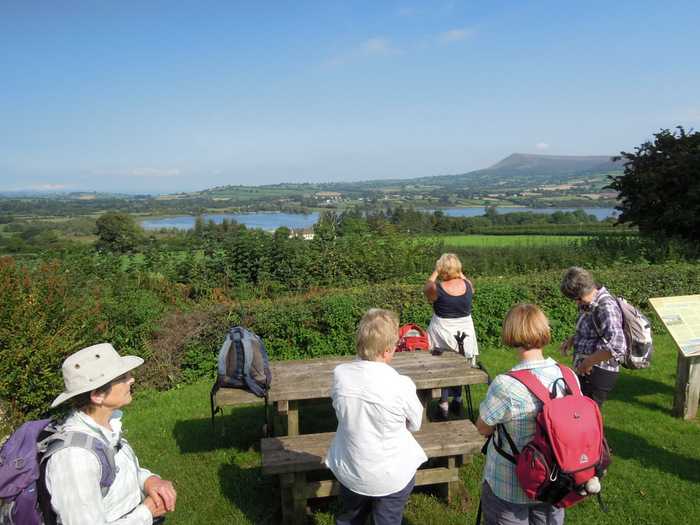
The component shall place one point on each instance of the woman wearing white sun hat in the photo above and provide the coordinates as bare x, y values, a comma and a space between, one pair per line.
98, 382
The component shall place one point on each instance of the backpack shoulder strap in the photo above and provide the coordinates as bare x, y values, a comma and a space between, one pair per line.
570, 380
527, 378
104, 453
596, 327
236, 335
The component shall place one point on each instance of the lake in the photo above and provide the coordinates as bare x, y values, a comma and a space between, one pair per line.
599, 213
270, 221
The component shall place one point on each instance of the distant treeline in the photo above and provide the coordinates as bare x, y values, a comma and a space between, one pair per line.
192, 205
412, 221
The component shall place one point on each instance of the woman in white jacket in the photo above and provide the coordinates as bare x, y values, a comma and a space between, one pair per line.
373, 455
98, 382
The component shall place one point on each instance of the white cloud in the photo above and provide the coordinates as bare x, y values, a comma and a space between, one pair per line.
455, 35
541, 146
378, 46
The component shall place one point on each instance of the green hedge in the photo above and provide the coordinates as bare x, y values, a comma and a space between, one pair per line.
320, 324
51, 310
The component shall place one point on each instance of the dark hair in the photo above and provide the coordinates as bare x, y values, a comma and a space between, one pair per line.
83, 401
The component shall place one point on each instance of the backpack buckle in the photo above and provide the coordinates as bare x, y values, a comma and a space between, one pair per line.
19, 463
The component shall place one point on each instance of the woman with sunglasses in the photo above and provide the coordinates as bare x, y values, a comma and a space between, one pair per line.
98, 383
451, 327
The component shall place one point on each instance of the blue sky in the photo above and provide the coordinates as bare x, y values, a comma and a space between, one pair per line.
165, 96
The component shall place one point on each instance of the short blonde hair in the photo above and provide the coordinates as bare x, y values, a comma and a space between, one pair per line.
377, 331
526, 326
448, 266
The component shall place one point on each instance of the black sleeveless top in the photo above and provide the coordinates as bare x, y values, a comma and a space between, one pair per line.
453, 306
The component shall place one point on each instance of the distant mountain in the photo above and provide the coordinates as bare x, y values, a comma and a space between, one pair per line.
516, 173
528, 170
555, 163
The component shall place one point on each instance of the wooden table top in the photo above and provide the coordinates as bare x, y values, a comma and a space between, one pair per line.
313, 378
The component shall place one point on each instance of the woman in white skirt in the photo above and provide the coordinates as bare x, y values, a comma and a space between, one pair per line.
451, 294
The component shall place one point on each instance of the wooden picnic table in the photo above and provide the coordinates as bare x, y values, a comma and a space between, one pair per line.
295, 381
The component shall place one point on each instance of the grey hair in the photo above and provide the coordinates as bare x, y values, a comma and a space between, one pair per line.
576, 283
378, 330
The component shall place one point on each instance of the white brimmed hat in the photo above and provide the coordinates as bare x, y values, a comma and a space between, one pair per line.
91, 368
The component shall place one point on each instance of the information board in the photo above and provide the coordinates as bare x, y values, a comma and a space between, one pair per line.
681, 316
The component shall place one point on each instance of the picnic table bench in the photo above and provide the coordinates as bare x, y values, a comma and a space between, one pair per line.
302, 380
299, 463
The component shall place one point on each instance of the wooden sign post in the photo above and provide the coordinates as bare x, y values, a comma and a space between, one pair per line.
681, 316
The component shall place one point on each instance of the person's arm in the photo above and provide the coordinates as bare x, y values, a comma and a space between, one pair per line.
161, 491
587, 364
495, 408
73, 480
566, 345
470, 285
430, 288
608, 319
413, 406
484, 429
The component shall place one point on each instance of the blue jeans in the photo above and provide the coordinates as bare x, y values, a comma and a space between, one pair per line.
454, 391
385, 510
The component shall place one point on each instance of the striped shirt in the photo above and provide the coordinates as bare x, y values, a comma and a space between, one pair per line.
510, 403
604, 314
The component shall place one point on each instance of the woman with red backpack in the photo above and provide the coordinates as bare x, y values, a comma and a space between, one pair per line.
451, 327
509, 403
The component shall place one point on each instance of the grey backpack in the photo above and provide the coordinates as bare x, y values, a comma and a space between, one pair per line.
637, 329
243, 362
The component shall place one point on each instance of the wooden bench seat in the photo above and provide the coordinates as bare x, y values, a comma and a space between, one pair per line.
223, 397
298, 461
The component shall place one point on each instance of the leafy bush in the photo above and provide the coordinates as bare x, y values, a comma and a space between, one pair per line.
54, 308
42, 320
324, 323
51, 309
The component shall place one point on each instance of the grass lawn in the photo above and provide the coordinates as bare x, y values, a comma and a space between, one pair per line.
508, 240
654, 478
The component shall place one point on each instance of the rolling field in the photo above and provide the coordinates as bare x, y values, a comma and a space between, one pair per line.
507, 240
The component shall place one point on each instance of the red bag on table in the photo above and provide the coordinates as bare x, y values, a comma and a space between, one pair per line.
411, 338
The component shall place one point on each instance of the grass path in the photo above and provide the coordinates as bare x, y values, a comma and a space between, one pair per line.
654, 478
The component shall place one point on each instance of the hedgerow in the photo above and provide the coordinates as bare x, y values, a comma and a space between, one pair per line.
313, 325
51, 309
54, 308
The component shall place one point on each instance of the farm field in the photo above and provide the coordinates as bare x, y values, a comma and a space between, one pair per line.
508, 240
654, 478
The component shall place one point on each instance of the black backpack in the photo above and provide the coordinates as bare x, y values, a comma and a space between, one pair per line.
243, 362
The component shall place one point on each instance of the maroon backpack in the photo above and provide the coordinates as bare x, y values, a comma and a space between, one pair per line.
568, 455
412, 337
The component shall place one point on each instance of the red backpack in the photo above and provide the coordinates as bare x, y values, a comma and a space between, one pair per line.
412, 337
568, 455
